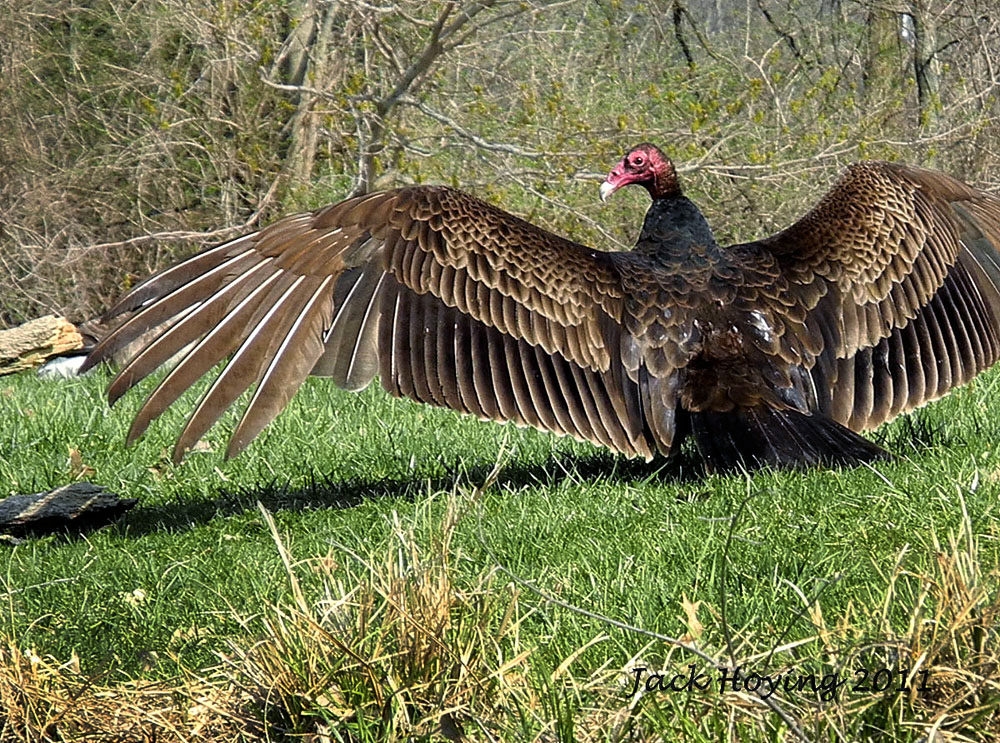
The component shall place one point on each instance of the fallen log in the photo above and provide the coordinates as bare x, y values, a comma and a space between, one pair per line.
75, 507
29, 345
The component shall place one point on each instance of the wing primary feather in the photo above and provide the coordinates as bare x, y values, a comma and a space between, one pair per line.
280, 238
970, 316
607, 417
289, 366
514, 370
343, 303
500, 377
414, 311
983, 302
212, 348
401, 344
914, 349
882, 383
660, 406
351, 356
963, 348
465, 365
486, 394
573, 397
551, 394
898, 372
582, 385
428, 346
935, 370
207, 321
952, 357
392, 347
535, 385
330, 362
242, 371
357, 376
159, 284
862, 407
169, 304
447, 365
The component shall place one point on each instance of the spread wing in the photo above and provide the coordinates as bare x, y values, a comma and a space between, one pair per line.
898, 271
451, 301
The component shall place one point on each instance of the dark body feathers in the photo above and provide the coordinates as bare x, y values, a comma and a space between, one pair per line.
883, 297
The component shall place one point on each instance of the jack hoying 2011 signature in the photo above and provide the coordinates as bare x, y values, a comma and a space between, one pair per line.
826, 686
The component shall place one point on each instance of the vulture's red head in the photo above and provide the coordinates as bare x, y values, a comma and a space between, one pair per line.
646, 165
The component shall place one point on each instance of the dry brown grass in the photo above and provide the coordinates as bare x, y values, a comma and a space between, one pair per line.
393, 650
953, 629
43, 700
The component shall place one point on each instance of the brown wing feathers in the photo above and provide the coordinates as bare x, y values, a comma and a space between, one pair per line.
350, 357
453, 302
468, 345
445, 357
903, 265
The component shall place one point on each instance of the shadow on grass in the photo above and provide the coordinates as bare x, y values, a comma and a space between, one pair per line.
328, 492
913, 433
918, 432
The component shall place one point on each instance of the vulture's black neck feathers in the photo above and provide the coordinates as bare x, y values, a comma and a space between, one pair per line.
675, 230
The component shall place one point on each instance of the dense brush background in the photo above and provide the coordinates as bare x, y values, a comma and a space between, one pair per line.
189, 120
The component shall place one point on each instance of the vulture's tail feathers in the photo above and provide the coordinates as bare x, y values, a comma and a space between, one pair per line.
747, 439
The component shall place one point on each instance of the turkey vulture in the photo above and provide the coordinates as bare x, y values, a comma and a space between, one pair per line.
885, 296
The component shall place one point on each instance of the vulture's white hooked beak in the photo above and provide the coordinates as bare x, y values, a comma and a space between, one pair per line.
607, 188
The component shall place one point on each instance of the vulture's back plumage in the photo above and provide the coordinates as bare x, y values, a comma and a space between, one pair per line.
885, 296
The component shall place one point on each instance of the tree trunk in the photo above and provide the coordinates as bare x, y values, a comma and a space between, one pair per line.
880, 63
307, 67
925, 64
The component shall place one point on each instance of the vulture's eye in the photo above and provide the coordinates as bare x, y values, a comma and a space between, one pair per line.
637, 162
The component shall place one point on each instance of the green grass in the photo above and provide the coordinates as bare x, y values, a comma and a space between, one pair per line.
346, 473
